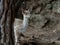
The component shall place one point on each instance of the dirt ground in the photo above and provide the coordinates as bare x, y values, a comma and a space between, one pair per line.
44, 24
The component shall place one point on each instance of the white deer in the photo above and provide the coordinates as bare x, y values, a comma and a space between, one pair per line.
26, 16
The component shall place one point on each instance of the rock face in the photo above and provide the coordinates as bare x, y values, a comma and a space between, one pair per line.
44, 24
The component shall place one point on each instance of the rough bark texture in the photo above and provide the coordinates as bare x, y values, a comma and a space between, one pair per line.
6, 22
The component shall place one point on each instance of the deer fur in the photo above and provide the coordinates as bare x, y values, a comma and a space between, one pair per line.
26, 16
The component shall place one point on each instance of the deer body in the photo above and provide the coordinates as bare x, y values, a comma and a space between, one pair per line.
26, 16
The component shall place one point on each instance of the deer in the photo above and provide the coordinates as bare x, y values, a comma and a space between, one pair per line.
26, 12
26, 16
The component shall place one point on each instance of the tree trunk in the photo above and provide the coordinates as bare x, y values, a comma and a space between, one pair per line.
7, 13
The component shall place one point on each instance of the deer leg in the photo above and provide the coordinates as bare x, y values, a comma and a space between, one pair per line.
16, 36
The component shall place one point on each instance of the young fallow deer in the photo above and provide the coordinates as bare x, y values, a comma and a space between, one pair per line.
26, 16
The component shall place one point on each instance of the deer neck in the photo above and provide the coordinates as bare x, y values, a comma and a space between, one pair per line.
25, 21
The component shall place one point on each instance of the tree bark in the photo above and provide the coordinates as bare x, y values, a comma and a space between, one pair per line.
7, 22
